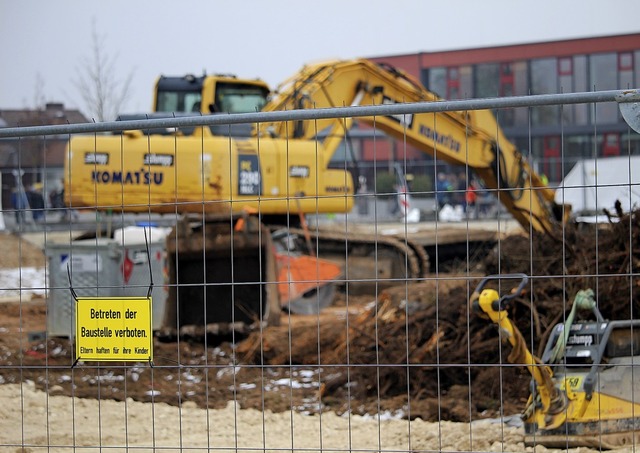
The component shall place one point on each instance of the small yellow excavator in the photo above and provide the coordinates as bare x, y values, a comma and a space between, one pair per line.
585, 390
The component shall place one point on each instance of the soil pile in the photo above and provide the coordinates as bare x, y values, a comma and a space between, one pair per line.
18, 252
421, 344
604, 258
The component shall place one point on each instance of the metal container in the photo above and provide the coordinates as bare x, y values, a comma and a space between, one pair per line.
105, 267
90, 267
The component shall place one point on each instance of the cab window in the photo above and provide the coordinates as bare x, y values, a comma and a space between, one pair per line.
239, 98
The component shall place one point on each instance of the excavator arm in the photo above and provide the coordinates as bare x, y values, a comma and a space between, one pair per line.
582, 392
471, 138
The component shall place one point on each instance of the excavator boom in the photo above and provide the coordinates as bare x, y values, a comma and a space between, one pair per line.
470, 138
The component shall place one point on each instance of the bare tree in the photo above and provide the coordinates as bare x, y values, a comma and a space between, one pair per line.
102, 91
39, 100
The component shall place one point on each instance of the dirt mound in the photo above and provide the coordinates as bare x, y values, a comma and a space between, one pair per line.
17, 252
420, 345
605, 258
417, 349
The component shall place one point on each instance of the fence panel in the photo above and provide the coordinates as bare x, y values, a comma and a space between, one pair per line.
300, 303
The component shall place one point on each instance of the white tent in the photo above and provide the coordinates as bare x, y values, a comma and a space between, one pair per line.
595, 184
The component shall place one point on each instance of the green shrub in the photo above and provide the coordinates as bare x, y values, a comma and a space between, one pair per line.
385, 183
422, 186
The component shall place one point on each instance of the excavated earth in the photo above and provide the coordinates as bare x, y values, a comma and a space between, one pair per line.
413, 351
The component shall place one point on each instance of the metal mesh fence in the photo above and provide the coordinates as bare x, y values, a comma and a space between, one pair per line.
300, 302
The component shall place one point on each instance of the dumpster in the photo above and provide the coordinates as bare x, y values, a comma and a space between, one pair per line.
105, 267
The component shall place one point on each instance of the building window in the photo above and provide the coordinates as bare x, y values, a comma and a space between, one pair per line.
520, 78
465, 73
611, 144
506, 90
565, 81
506, 80
437, 81
602, 71
424, 77
580, 84
486, 81
453, 83
603, 76
520, 88
576, 147
625, 61
552, 157
565, 66
625, 70
544, 74
544, 80
565, 74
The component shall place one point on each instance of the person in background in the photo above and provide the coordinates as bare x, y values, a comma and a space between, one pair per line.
56, 200
443, 190
471, 197
461, 191
19, 203
36, 201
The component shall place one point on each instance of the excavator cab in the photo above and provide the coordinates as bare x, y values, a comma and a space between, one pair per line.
210, 95
583, 391
221, 93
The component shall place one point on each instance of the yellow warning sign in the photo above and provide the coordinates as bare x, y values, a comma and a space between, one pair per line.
114, 328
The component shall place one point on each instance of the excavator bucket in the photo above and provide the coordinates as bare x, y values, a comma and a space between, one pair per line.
222, 277
305, 283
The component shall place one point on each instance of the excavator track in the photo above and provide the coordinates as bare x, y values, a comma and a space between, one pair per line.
387, 258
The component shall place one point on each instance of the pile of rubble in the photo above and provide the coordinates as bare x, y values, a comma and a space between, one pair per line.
423, 341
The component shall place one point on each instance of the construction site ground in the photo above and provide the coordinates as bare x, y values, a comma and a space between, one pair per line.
213, 372
413, 351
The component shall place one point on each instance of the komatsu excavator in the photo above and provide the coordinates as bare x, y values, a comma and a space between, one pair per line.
215, 175
584, 390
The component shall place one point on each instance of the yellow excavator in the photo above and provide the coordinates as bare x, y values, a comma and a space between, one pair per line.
585, 391
214, 175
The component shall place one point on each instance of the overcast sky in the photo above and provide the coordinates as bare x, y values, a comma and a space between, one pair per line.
43, 42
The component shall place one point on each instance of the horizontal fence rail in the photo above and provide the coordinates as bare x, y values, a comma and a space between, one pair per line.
620, 96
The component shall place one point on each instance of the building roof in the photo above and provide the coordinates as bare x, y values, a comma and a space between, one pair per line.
525, 51
32, 152
53, 113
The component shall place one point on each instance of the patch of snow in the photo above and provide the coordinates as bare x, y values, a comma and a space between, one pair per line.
23, 281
